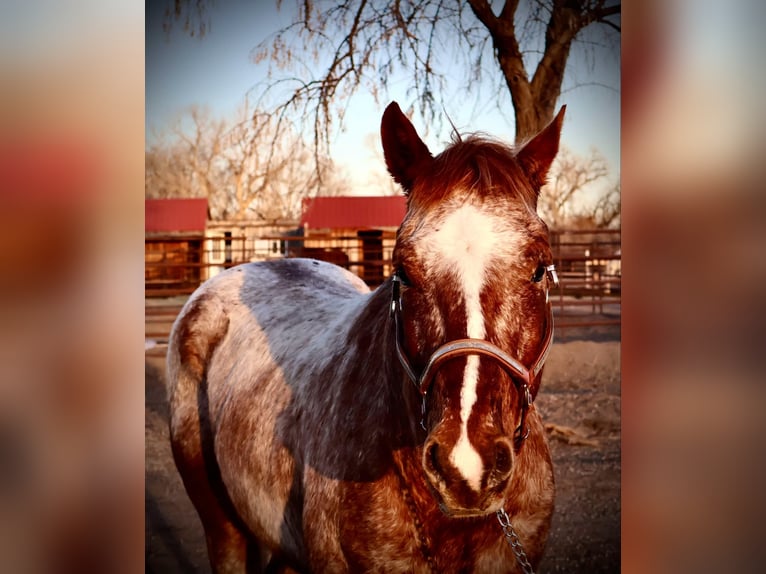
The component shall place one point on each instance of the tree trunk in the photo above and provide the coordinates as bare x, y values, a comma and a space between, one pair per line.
534, 102
512, 66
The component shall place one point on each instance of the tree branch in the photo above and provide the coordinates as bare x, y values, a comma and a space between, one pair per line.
563, 26
362, 43
483, 12
605, 11
509, 11
610, 24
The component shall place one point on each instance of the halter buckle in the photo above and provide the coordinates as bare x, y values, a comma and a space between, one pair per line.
551, 270
521, 438
396, 294
528, 395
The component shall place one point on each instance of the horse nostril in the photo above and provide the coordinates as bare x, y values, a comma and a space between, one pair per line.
432, 458
503, 458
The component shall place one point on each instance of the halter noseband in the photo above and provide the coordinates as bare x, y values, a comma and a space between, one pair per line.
462, 347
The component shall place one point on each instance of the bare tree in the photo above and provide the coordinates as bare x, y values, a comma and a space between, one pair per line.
243, 171
168, 173
360, 43
561, 202
183, 161
608, 208
251, 169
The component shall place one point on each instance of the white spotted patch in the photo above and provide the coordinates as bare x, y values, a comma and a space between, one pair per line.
467, 241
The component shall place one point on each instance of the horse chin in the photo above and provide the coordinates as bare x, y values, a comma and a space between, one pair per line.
466, 512
459, 511
460, 501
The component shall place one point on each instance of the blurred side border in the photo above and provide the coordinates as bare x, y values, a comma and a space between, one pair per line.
71, 302
694, 264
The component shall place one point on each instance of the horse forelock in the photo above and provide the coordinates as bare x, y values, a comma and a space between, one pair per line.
477, 162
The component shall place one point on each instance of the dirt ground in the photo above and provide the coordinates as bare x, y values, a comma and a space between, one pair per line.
580, 404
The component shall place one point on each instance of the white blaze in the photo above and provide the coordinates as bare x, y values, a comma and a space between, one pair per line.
465, 244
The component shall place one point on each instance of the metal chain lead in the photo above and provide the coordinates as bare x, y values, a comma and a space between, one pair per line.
514, 541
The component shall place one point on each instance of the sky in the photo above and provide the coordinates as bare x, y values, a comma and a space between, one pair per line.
217, 71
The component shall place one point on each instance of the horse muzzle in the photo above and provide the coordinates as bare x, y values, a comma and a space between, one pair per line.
467, 481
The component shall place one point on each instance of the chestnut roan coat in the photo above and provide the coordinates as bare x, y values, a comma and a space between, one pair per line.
300, 438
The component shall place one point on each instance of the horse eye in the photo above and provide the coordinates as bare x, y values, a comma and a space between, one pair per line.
539, 273
402, 274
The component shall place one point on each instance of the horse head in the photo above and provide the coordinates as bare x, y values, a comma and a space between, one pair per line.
472, 271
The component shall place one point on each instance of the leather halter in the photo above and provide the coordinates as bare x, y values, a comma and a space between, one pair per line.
462, 347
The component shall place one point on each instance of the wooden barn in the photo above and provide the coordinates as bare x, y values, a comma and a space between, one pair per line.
355, 232
183, 248
174, 231
229, 243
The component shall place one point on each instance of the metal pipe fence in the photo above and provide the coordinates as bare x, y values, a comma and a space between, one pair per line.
588, 264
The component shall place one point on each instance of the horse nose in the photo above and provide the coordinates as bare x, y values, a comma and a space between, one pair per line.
497, 469
503, 462
434, 460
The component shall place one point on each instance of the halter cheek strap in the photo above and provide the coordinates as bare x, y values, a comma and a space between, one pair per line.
396, 312
462, 347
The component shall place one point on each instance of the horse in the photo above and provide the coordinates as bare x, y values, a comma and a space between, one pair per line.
319, 426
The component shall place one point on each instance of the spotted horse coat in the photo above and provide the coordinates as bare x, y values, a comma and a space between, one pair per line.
301, 441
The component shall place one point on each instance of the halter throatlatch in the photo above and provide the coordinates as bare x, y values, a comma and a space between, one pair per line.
519, 374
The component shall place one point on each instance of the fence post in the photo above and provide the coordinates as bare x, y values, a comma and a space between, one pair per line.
372, 255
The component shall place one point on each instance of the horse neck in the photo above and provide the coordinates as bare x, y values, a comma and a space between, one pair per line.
374, 375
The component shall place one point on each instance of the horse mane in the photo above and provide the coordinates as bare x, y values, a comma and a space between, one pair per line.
482, 164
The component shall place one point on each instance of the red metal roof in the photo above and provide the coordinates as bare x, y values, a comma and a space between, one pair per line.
355, 212
166, 215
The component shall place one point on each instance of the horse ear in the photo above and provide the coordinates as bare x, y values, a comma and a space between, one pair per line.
536, 156
403, 149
